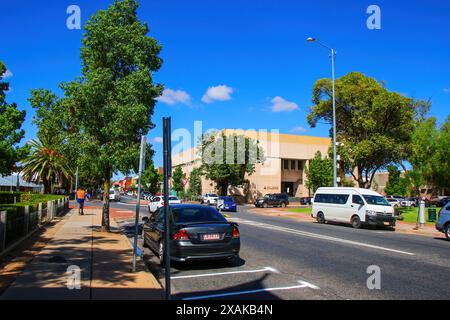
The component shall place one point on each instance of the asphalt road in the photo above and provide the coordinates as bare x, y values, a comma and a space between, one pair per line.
286, 259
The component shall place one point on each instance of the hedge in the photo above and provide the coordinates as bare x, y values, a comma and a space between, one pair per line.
8, 197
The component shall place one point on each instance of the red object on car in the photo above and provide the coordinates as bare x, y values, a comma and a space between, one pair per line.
181, 235
236, 233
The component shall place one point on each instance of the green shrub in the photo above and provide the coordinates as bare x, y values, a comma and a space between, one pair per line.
8, 197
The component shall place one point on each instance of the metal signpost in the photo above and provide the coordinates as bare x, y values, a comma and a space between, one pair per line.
138, 205
167, 153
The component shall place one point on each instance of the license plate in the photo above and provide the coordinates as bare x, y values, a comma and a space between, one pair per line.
211, 236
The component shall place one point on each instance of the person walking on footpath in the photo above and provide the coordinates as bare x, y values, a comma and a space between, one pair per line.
81, 196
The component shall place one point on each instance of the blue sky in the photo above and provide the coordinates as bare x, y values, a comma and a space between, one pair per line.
253, 52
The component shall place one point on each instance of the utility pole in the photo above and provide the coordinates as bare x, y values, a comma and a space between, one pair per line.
138, 205
76, 180
167, 153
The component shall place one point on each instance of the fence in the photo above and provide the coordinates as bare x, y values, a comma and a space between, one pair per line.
17, 225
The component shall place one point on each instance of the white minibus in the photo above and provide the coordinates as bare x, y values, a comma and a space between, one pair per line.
352, 205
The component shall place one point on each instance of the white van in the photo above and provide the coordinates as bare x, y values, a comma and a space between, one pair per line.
352, 205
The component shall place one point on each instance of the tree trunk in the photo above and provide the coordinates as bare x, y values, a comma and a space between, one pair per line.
223, 188
105, 213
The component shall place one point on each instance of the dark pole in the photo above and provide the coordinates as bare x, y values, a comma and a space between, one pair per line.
167, 150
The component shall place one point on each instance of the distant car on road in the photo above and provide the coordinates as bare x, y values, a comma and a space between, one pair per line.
273, 200
157, 203
306, 201
226, 204
114, 195
409, 202
209, 199
197, 233
352, 205
393, 202
443, 223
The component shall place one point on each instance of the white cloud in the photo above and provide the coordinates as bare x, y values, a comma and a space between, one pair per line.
299, 129
217, 93
279, 105
172, 97
157, 140
7, 74
446, 90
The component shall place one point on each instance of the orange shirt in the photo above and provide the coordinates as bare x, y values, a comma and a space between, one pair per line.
81, 194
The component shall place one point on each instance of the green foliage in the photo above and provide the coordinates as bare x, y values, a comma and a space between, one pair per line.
151, 179
396, 184
319, 172
109, 107
11, 120
229, 171
195, 182
177, 179
45, 162
374, 124
8, 197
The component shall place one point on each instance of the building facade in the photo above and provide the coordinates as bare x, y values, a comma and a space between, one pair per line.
283, 170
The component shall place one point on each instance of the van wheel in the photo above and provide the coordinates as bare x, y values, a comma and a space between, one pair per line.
320, 218
264, 205
447, 232
356, 222
283, 205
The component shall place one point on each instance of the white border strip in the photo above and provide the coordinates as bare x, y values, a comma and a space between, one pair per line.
269, 269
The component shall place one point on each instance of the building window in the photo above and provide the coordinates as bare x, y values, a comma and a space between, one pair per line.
285, 164
293, 164
299, 165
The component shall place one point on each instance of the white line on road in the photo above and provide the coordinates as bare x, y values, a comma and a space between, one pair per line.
318, 236
303, 284
270, 269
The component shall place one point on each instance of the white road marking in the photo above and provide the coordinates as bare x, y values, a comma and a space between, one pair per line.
270, 269
318, 236
302, 284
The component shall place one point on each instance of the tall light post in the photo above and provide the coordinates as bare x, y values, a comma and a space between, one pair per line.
333, 53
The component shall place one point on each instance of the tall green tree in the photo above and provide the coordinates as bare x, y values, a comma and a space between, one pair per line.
319, 173
177, 180
11, 120
229, 170
151, 179
195, 182
373, 124
396, 185
114, 99
442, 158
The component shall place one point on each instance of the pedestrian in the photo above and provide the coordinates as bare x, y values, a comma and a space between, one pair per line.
81, 196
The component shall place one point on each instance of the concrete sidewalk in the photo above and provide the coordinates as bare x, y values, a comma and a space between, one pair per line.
105, 261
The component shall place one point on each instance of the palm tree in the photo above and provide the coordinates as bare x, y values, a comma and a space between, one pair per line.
45, 162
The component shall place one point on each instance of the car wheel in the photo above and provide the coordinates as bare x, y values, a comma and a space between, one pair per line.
320, 218
283, 205
356, 222
447, 232
161, 253
264, 205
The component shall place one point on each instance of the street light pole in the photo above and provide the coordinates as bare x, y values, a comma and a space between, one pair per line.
333, 54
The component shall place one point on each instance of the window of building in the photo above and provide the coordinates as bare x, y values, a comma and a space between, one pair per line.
293, 164
285, 164
299, 165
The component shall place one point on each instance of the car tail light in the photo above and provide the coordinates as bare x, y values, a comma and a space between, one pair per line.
236, 233
181, 235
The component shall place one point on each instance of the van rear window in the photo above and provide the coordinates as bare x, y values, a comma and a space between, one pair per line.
331, 198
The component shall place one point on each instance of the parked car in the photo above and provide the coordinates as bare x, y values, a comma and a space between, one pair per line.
114, 195
273, 200
209, 199
409, 202
306, 201
393, 202
226, 204
197, 233
157, 203
442, 202
145, 195
352, 205
443, 223
439, 201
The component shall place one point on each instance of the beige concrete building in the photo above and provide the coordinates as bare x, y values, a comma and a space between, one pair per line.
283, 170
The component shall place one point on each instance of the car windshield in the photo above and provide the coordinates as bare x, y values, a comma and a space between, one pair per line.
196, 215
173, 198
111, 191
212, 195
376, 200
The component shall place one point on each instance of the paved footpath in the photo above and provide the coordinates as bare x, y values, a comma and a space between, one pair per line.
105, 261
